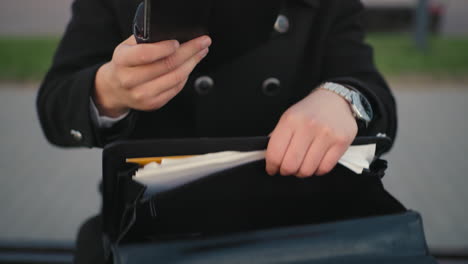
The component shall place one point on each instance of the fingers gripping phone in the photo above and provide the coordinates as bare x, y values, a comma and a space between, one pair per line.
235, 26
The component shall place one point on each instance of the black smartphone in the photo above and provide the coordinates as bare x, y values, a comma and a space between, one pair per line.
235, 26
158, 20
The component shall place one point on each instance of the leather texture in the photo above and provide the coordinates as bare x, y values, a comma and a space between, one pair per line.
395, 239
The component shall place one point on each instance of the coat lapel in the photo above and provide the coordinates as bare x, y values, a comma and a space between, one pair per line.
312, 3
240, 26
126, 10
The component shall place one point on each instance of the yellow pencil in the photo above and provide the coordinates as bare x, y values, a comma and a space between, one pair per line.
144, 161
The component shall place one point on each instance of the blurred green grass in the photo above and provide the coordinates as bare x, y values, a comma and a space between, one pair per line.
28, 58
396, 55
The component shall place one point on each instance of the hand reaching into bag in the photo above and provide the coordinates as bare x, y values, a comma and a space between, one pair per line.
311, 136
146, 76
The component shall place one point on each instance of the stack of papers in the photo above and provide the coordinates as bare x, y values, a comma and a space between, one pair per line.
172, 173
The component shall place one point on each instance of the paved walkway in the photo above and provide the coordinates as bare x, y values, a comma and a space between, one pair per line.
455, 22
428, 165
34, 17
46, 192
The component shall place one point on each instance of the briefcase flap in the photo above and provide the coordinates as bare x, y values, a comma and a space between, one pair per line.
395, 238
241, 198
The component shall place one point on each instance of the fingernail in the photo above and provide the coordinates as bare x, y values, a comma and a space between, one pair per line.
206, 42
204, 52
176, 44
269, 171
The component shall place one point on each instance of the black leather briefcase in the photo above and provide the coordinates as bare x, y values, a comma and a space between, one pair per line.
392, 239
232, 206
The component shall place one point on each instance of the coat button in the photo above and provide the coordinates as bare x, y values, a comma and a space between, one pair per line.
282, 24
203, 84
76, 135
271, 86
381, 135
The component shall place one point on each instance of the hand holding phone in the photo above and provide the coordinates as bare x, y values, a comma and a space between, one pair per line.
147, 76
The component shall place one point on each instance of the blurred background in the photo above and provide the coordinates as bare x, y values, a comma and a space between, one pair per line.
421, 47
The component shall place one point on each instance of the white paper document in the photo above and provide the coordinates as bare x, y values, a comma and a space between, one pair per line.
172, 173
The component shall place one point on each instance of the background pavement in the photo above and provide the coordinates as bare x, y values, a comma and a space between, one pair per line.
46, 192
32, 17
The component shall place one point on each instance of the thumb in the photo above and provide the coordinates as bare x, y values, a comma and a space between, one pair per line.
130, 41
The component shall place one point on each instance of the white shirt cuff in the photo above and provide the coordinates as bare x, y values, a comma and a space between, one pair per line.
103, 121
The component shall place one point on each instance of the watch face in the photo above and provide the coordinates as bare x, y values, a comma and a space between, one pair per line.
367, 107
362, 107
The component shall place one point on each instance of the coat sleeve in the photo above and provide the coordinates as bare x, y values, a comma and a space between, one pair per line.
349, 61
64, 96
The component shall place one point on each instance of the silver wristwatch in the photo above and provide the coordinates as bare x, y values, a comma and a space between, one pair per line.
360, 106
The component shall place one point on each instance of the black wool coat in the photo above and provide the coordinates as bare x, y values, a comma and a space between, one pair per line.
325, 42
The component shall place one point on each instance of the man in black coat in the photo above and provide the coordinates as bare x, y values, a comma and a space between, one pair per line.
103, 86
295, 87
